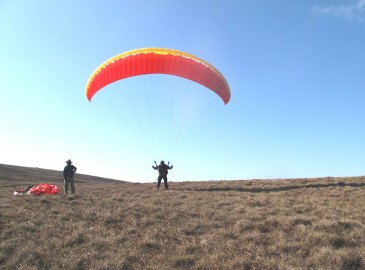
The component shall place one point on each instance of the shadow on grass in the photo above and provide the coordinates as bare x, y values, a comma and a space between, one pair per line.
276, 189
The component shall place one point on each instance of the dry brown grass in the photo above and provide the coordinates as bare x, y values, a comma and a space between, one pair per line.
258, 224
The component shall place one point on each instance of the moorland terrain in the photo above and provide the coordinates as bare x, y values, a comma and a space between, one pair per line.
316, 223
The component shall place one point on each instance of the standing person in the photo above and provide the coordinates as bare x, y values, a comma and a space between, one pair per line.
162, 173
68, 175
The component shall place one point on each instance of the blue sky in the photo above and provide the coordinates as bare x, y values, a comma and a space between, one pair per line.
296, 72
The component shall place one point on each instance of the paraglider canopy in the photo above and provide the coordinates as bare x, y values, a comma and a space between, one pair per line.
44, 189
158, 61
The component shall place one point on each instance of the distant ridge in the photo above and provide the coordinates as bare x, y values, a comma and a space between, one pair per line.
33, 175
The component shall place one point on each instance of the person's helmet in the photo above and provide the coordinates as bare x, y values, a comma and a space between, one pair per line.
69, 161
162, 162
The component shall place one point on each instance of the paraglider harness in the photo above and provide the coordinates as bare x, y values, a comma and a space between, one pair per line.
22, 191
163, 169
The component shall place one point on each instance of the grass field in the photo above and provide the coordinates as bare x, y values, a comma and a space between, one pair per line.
248, 224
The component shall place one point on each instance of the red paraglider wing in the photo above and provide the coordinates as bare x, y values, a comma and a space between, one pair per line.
158, 61
44, 189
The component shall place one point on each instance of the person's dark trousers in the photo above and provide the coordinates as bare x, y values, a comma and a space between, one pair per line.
164, 180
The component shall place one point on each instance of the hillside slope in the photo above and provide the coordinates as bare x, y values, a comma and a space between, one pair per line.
256, 224
31, 175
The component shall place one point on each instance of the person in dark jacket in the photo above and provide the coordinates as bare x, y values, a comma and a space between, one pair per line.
68, 175
162, 173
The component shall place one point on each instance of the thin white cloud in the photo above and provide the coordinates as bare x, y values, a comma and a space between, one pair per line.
355, 11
